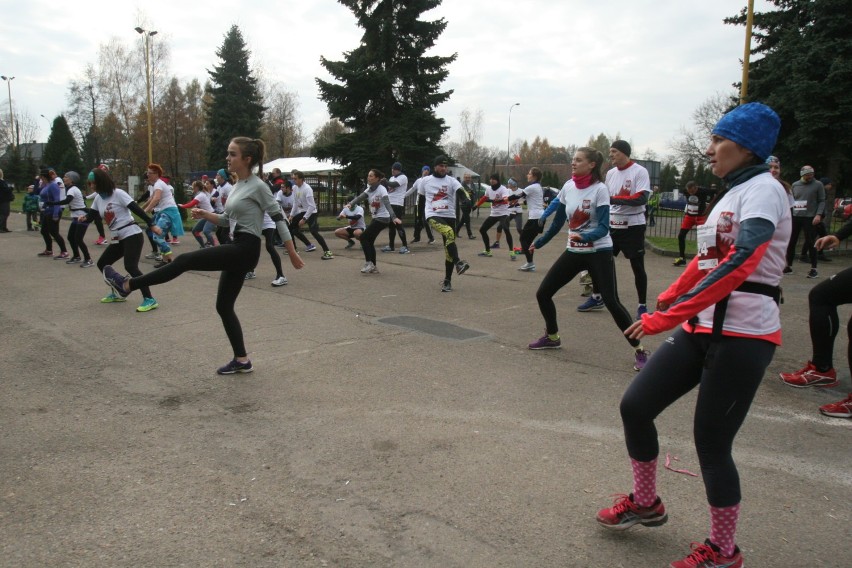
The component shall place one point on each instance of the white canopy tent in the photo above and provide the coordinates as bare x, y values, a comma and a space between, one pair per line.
306, 165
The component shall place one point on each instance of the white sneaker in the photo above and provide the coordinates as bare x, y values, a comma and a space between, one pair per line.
367, 267
280, 281
250, 275
528, 267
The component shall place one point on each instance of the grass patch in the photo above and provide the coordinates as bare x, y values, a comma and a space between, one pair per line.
670, 244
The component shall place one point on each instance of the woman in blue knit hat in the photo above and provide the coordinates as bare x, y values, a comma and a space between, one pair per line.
725, 309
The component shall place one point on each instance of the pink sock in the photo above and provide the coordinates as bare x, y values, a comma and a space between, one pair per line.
723, 527
644, 482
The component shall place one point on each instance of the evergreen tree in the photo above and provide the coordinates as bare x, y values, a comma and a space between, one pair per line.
235, 107
387, 90
668, 177
61, 152
688, 173
805, 74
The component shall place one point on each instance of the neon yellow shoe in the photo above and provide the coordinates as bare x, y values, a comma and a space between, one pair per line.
112, 299
147, 305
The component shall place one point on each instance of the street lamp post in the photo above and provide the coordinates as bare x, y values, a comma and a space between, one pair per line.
11, 116
747, 53
49, 125
509, 137
148, 35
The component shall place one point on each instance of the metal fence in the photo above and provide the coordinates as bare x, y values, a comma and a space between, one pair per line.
665, 223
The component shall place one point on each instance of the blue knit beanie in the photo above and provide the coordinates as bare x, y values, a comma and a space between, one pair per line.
223, 173
753, 126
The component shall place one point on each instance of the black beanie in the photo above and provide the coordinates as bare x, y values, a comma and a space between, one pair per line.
622, 146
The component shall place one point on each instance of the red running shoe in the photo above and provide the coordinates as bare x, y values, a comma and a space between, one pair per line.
100, 241
839, 409
708, 555
625, 513
810, 377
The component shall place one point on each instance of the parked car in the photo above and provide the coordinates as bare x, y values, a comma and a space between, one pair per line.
843, 207
668, 201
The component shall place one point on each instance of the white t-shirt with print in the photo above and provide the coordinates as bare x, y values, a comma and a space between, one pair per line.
377, 206
113, 210
397, 195
440, 195
624, 183
760, 197
581, 207
499, 194
358, 223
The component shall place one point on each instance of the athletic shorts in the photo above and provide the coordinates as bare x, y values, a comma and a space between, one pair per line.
690, 221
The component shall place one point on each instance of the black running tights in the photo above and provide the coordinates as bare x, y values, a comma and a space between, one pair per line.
725, 393
234, 260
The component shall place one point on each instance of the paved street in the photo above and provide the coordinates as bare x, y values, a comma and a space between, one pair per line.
362, 441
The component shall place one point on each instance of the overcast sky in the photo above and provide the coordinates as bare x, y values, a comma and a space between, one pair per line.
638, 67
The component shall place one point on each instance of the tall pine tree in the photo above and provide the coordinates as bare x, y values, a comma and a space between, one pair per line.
236, 107
387, 90
61, 152
805, 74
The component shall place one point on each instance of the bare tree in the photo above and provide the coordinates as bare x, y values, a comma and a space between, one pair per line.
691, 142
326, 133
282, 130
194, 143
470, 124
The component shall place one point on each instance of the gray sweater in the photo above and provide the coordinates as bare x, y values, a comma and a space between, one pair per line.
809, 198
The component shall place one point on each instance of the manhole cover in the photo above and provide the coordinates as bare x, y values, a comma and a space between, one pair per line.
433, 327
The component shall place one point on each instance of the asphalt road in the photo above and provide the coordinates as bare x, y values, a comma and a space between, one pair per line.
361, 443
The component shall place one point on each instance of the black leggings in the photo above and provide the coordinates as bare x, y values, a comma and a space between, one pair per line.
313, 226
490, 222
234, 260
131, 249
602, 270
368, 238
805, 224
50, 233
725, 393
269, 236
393, 229
76, 233
528, 234
464, 220
823, 300
420, 221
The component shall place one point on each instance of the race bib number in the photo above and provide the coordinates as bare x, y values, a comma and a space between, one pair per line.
708, 255
618, 222
800, 206
578, 245
692, 210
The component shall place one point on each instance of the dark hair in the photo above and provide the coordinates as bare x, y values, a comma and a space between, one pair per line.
536, 173
297, 174
690, 184
378, 173
494, 176
593, 156
253, 148
103, 182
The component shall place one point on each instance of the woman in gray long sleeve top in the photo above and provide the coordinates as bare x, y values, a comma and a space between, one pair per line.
243, 213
